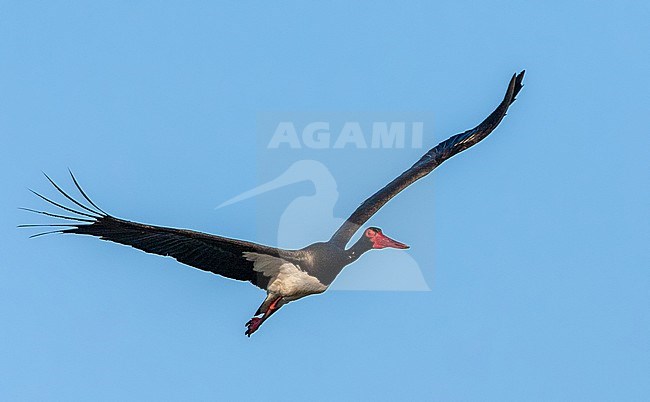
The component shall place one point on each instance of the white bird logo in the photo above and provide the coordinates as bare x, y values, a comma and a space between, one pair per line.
311, 218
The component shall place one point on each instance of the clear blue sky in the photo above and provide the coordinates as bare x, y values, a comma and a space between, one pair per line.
539, 236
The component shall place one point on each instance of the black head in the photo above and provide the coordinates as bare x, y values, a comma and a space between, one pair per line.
374, 237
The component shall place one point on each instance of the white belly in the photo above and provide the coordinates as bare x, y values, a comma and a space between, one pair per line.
285, 278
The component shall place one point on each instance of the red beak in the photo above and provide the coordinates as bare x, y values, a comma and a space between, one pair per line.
382, 241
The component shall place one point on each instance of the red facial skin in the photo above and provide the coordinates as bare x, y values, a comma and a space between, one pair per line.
380, 240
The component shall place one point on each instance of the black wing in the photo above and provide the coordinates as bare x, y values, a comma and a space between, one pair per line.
219, 255
427, 163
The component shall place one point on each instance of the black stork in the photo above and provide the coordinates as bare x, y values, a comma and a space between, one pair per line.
286, 275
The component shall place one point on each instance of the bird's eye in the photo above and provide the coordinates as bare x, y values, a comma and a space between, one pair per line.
370, 233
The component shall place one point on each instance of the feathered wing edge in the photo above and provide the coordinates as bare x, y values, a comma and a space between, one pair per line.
219, 255
87, 215
427, 163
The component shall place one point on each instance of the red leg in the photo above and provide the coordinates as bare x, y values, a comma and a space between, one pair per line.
253, 325
273, 306
255, 322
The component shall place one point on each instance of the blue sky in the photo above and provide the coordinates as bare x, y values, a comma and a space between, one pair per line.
538, 236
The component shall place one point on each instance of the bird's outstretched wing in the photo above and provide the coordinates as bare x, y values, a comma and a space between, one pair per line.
219, 255
427, 163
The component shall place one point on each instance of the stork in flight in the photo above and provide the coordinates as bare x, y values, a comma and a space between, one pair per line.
286, 275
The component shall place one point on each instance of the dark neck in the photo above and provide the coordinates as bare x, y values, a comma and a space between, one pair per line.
361, 246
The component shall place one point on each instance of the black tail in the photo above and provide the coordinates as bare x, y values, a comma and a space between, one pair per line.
87, 215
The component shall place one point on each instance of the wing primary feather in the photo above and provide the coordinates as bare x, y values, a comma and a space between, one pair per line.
63, 206
68, 197
57, 216
83, 193
29, 225
45, 233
